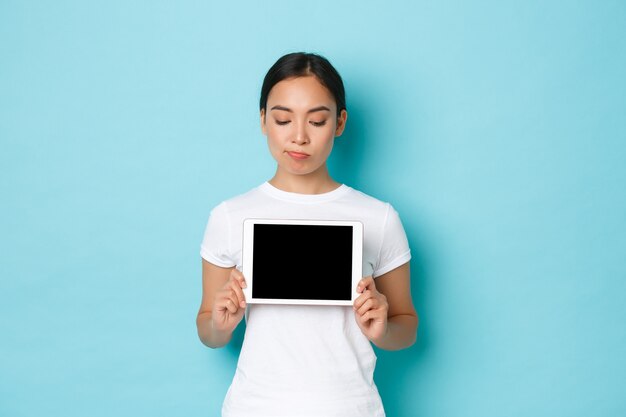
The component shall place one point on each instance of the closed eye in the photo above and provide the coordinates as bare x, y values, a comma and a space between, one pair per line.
318, 124
282, 122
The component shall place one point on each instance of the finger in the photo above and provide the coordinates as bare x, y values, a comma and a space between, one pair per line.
235, 297
361, 299
231, 305
236, 275
239, 296
367, 305
221, 305
364, 318
365, 283
358, 302
375, 315
227, 301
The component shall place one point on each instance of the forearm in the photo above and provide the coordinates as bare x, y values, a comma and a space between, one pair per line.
401, 333
208, 334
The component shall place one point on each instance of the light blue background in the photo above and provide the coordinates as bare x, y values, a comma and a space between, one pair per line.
497, 130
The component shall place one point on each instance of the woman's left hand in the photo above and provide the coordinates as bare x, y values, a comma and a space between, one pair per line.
370, 309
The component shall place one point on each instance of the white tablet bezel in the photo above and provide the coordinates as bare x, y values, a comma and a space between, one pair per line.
248, 257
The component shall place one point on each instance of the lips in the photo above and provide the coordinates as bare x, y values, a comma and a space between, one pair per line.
298, 155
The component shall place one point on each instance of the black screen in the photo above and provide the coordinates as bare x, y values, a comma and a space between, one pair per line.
302, 262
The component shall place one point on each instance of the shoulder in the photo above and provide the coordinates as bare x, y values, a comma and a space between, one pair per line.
368, 202
240, 201
376, 211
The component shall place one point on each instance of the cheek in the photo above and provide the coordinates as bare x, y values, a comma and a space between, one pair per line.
275, 132
328, 136
274, 140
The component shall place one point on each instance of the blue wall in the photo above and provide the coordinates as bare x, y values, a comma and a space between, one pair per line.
497, 130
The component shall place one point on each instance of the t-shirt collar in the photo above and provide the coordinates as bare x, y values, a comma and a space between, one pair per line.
269, 189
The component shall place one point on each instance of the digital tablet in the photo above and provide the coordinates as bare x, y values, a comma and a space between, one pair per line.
302, 261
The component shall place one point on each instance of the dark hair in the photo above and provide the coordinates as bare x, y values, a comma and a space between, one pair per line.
300, 64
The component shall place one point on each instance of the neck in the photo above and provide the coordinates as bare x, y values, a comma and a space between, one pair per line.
317, 182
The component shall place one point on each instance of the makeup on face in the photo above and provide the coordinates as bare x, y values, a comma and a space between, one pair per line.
317, 116
300, 124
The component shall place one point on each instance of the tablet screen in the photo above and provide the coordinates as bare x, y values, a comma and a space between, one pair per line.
302, 262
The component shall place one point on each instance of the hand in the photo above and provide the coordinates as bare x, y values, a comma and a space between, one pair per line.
370, 309
230, 304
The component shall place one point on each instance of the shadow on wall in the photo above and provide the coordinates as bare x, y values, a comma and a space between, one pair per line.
353, 155
395, 369
234, 346
347, 160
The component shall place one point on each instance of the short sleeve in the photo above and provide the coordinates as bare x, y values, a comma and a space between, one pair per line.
215, 247
394, 250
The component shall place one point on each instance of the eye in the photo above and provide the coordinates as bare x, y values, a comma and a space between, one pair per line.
282, 122
318, 124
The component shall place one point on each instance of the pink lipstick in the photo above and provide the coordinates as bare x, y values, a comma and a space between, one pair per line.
297, 155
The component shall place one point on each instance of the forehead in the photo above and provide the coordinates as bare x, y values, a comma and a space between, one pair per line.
300, 92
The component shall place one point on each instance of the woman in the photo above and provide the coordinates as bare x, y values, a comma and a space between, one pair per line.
306, 360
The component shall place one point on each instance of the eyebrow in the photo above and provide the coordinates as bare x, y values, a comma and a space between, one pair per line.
313, 110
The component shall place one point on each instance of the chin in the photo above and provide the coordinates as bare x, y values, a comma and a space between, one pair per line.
298, 171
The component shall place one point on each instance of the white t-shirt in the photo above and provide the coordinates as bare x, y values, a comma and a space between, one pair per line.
305, 360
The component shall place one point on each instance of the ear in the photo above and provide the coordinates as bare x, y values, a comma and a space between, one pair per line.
341, 122
263, 128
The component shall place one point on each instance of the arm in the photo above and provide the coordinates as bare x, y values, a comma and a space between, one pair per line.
223, 304
385, 311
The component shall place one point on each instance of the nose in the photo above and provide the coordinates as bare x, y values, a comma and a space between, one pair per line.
301, 136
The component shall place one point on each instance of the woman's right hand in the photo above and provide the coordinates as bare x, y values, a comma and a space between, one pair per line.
229, 306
